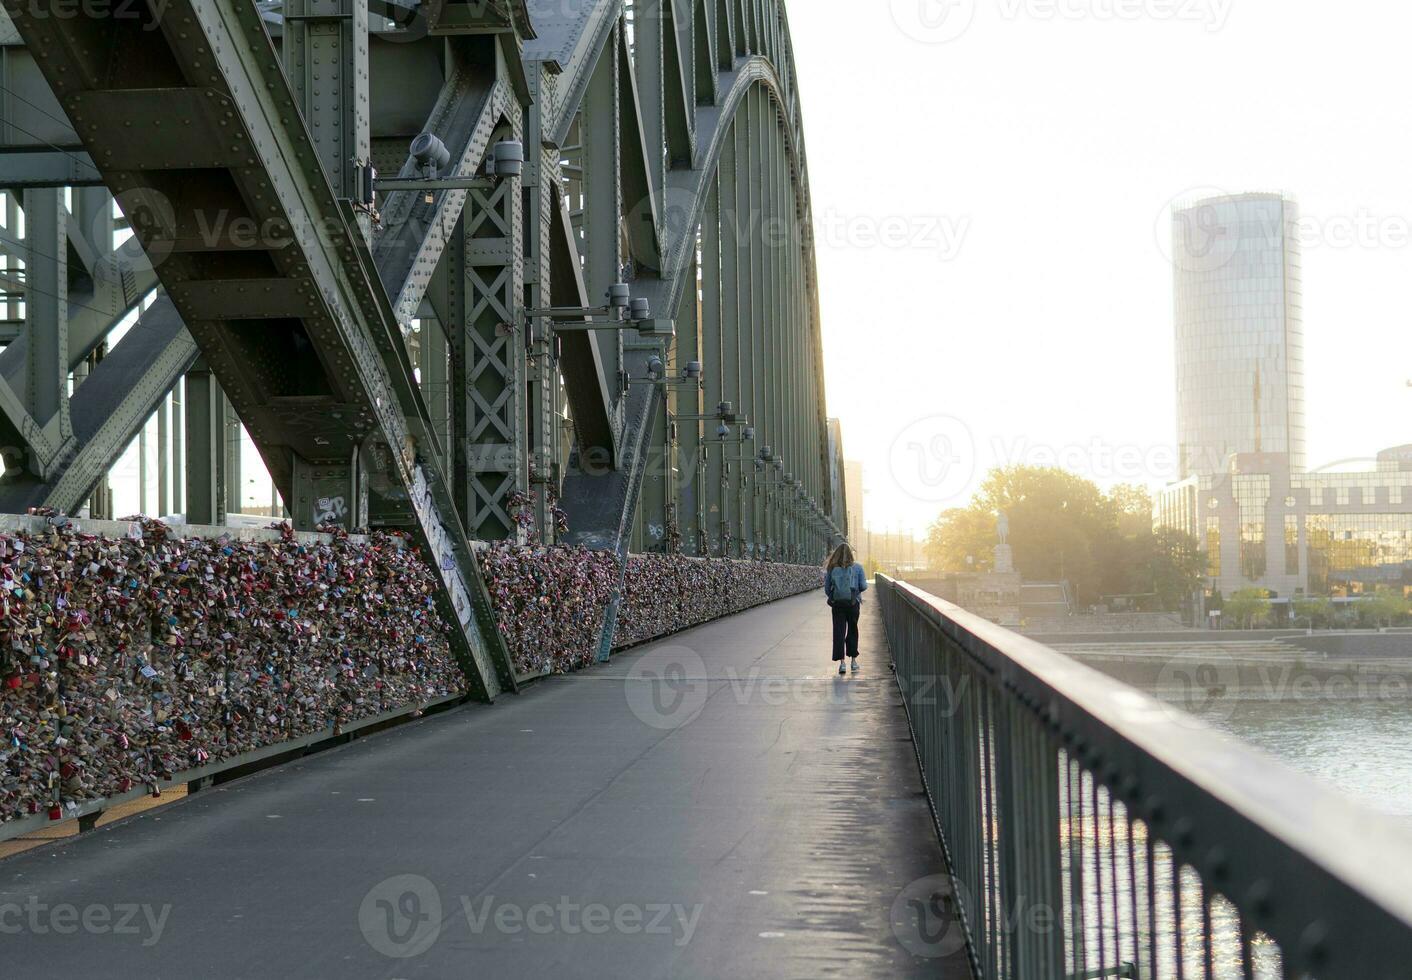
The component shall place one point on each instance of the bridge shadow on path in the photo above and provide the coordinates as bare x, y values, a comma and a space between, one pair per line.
719, 804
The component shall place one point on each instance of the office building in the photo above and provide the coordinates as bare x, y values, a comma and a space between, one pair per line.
1239, 334
1265, 525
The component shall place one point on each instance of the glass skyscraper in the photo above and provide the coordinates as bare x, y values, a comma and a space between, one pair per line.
1239, 333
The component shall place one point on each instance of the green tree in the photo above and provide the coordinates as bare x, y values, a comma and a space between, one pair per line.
1317, 611
1063, 527
1179, 567
1384, 607
1060, 524
1248, 607
1132, 505
965, 532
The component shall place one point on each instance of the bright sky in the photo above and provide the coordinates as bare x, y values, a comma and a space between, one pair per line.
991, 184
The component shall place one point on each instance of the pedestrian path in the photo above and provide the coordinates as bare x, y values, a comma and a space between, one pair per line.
718, 804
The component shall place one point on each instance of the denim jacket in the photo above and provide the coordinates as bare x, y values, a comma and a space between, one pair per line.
860, 579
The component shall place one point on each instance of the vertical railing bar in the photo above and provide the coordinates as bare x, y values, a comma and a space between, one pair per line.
1007, 833
1026, 793
962, 671
1153, 950
1115, 898
1133, 919
1036, 844
992, 836
1077, 865
986, 866
1053, 873
972, 818
1247, 940
1208, 940
1178, 932
1065, 919
1098, 873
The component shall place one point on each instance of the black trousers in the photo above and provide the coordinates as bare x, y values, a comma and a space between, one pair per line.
845, 629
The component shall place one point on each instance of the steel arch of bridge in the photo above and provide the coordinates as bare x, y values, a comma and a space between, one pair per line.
376, 345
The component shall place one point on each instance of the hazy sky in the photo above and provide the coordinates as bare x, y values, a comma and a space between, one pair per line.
991, 185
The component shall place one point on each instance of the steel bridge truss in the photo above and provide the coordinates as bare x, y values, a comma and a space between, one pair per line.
211, 212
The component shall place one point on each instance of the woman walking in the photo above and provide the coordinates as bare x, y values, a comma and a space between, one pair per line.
844, 584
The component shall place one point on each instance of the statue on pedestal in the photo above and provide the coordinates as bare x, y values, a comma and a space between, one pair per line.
1004, 556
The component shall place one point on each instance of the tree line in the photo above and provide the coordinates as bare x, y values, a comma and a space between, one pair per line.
1063, 527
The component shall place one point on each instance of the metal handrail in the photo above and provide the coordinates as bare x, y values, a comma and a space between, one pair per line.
1078, 813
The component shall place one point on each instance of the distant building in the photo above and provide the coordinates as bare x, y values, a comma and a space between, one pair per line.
997, 595
1245, 495
1239, 332
894, 553
992, 595
1266, 525
853, 477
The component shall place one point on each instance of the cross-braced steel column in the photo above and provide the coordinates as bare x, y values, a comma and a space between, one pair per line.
488, 368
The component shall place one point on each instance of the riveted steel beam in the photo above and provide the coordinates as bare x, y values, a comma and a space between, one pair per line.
328, 373
413, 232
716, 507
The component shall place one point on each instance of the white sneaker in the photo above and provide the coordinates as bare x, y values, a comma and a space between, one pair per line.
854, 665
841, 670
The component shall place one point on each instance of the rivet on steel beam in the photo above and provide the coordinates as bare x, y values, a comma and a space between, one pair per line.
1260, 899
1217, 866
1152, 806
1314, 942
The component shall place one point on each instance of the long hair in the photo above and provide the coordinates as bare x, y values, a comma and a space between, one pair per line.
842, 557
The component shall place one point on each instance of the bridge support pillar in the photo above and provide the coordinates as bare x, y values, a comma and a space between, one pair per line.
329, 493
205, 447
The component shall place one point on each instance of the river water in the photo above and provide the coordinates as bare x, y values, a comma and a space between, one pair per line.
1361, 746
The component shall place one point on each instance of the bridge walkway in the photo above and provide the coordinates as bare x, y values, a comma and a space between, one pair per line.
719, 804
